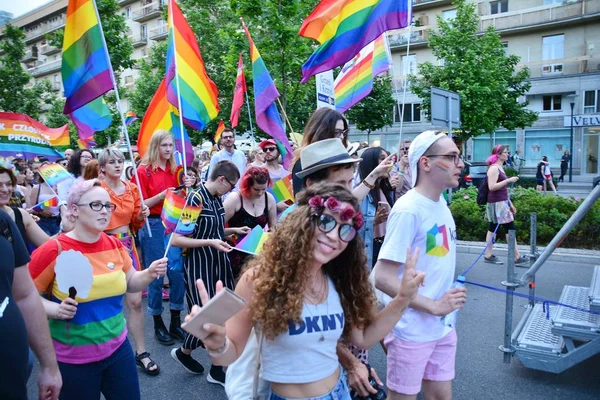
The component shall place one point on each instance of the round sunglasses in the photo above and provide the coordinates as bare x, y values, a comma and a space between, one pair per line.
326, 223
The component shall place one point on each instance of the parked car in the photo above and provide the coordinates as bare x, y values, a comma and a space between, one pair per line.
473, 174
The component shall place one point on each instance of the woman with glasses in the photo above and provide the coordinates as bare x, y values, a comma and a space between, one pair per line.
78, 161
157, 175
88, 328
250, 207
128, 217
306, 290
206, 256
499, 210
194, 177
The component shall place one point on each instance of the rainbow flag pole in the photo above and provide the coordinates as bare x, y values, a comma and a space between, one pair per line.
118, 101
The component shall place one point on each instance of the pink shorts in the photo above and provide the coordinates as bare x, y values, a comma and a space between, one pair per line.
409, 363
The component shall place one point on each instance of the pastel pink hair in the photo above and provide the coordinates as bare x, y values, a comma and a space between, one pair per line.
79, 188
499, 149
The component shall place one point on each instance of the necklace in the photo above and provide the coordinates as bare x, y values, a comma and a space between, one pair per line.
307, 304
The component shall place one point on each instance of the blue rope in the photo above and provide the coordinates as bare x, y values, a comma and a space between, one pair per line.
545, 302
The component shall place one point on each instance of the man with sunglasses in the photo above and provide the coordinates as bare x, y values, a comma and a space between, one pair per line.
422, 348
228, 152
276, 170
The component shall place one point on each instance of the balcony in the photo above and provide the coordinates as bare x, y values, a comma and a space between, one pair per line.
123, 3
419, 5
46, 68
543, 17
561, 67
149, 11
30, 55
400, 38
139, 40
48, 50
159, 33
43, 29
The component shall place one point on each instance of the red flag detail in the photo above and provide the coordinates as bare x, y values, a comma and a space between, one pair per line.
238, 94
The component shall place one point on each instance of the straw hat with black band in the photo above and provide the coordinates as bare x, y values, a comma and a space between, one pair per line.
323, 154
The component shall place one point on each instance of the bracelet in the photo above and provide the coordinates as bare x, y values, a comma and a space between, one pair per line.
367, 184
221, 351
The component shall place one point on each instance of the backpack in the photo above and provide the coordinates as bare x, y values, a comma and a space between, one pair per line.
482, 192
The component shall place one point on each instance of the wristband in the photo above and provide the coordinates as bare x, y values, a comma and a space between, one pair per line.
367, 184
221, 351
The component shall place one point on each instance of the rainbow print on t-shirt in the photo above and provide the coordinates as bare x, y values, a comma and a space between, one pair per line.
437, 241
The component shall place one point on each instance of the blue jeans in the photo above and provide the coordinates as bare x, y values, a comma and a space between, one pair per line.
153, 248
115, 377
339, 392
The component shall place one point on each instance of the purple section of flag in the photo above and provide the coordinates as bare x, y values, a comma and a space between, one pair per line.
82, 96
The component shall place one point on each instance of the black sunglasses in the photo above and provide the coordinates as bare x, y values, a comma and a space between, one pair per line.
326, 223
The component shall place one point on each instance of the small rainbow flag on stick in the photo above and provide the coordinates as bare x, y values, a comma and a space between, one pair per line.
254, 241
282, 189
54, 174
53, 202
179, 215
130, 117
219, 131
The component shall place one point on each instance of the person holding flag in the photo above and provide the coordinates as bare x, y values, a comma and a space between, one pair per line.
129, 216
207, 257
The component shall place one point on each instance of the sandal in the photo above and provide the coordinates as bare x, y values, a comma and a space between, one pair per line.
147, 369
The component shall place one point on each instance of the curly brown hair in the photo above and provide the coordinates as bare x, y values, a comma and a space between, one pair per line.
282, 270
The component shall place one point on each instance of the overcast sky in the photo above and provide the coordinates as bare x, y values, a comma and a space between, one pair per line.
20, 7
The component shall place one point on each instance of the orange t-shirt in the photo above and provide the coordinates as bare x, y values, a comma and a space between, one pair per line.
128, 207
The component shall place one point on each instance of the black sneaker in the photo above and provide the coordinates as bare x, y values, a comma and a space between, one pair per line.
192, 366
522, 260
216, 375
492, 260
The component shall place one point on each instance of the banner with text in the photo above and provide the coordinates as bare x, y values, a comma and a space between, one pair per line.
24, 137
325, 93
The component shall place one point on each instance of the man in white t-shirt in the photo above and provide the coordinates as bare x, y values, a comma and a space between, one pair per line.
421, 348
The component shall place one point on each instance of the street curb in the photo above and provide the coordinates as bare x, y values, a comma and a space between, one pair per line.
575, 256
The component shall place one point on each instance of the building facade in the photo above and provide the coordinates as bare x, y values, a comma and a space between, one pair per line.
5, 17
559, 41
43, 61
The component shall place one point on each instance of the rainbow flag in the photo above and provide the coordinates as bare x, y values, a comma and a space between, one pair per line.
219, 131
92, 117
130, 117
53, 202
85, 64
163, 115
177, 215
355, 81
54, 174
282, 189
344, 27
199, 103
265, 94
238, 94
253, 242
86, 143
24, 137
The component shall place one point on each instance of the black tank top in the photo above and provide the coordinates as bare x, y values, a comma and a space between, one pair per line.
244, 218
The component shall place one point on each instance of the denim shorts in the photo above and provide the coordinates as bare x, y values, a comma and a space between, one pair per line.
339, 392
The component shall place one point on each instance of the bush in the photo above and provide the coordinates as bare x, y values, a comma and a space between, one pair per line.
552, 213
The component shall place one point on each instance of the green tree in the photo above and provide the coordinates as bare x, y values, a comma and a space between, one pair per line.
477, 67
14, 95
120, 49
376, 110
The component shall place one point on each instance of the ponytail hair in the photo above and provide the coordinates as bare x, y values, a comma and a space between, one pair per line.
499, 149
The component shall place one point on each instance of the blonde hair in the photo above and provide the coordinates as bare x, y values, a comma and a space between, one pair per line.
152, 156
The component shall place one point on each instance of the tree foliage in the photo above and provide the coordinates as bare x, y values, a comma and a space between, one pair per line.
15, 96
376, 110
477, 67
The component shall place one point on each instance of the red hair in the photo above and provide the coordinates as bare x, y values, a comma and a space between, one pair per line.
251, 176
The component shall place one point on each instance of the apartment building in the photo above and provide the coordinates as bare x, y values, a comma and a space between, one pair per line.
559, 41
43, 61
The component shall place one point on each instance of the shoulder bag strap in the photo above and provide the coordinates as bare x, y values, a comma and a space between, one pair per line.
260, 338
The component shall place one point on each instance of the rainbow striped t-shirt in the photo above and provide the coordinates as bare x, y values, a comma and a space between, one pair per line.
98, 328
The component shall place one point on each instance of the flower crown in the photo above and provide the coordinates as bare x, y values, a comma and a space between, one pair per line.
318, 204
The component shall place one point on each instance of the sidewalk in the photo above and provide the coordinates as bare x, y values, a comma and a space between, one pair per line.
576, 256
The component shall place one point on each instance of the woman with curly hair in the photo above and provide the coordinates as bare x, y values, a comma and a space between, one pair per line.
78, 161
249, 207
306, 290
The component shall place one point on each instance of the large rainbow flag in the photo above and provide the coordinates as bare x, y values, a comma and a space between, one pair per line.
24, 137
344, 27
199, 103
85, 63
265, 93
355, 81
90, 118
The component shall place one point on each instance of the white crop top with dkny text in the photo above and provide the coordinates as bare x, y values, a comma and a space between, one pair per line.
307, 351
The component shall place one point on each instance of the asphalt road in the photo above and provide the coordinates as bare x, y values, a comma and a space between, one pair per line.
480, 371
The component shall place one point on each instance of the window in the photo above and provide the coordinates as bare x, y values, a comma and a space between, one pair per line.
591, 102
552, 103
128, 13
409, 64
143, 31
449, 15
553, 47
546, 2
497, 7
412, 112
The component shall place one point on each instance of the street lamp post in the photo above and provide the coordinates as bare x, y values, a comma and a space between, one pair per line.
571, 145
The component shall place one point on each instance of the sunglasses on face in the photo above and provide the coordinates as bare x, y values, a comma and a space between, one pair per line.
340, 133
326, 223
269, 149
